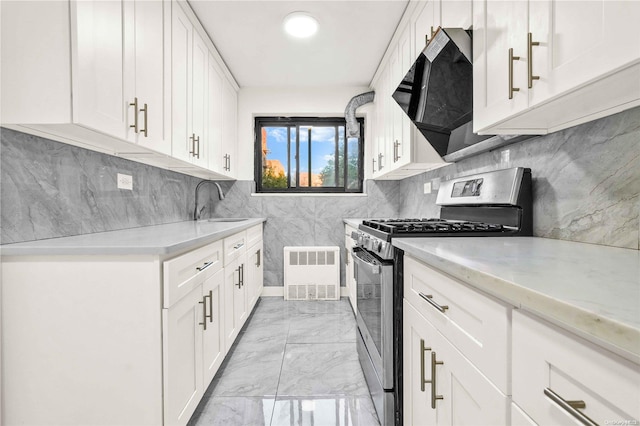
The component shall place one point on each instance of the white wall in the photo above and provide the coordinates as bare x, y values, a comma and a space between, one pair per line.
317, 101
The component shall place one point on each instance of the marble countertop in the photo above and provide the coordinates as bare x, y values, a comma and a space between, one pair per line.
591, 290
164, 239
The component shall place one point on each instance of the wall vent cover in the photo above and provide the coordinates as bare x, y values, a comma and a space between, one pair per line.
312, 273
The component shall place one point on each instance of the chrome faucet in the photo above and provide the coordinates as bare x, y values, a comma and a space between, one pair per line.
197, 213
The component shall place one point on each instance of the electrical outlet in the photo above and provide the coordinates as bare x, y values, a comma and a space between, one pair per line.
427, 188
125, 181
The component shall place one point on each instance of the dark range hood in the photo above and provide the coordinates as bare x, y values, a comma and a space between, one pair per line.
437, 94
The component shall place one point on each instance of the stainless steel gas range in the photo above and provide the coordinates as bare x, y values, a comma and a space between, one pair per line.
492, 204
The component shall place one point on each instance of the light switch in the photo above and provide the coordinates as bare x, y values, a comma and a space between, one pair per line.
427, 188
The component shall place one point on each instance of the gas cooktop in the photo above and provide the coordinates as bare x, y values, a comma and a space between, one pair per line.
426, 227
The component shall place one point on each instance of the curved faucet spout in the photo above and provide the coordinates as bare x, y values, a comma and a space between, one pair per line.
197, 213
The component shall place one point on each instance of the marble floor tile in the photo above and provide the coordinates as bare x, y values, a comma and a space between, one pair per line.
229, 411
322, 306
324, 411
249, 374
321, 369
322, 328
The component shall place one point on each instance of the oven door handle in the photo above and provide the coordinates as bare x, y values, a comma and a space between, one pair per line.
375, 268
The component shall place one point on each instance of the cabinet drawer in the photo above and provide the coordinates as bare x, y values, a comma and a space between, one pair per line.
234, 246
254, 235
183, 273
546, 357
476, 324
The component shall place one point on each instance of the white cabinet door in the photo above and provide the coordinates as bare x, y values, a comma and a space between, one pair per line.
182, 361
424, 25
199, 74
235, 312
151, 85
456, 14
254, 274
181, 46
498, 26
416, 338
440, 385
574, 51
213, 341
229, 129
97, 36
400, 148
213, 133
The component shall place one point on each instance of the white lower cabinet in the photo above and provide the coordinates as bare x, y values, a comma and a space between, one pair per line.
463, 348
441, 386
255, 272
561, 379
182, 342
235, 312
131, 340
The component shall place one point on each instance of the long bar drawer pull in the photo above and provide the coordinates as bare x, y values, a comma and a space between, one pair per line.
237, 246
434, 397
205, 266
429, 298
423, 381
571, 407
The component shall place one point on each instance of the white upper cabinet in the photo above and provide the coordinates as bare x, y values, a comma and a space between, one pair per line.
127, 78
97, 55
190, 72
399, 150
149, 98
541, 66
229, 129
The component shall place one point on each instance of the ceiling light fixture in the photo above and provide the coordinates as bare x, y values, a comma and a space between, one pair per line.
300, 24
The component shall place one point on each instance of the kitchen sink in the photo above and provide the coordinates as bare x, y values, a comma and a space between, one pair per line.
227, 219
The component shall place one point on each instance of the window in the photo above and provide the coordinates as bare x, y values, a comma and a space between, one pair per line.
305, 154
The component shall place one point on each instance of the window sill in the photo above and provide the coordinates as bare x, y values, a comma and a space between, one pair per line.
307, 194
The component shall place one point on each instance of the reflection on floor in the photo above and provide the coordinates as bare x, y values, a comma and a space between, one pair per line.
295, 363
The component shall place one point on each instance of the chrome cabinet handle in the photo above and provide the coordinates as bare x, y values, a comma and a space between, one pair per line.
571, 407
242, 275
434, 397
192, 138
145, 110
210, 305
429, 298
511, 59
239, 282
197, 141
423, 381
237, 246
396, 151
380, 166
374, 165
203, 302
134, 104
530, 44
203, 267
258, 261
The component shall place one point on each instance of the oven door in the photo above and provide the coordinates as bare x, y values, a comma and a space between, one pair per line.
374, 285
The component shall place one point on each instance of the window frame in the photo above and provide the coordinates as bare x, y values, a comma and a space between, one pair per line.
297, 122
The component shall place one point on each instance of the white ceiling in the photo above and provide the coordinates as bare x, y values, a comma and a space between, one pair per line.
352, 38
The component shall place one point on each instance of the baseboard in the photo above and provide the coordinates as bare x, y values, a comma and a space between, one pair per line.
279, 292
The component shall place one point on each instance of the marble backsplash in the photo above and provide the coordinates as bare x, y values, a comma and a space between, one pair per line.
50, 189
304, 220
586, 181
586, 184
